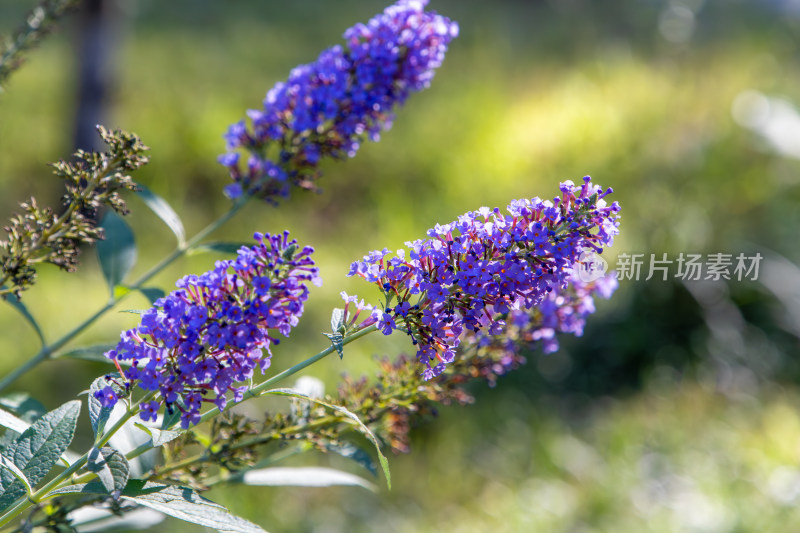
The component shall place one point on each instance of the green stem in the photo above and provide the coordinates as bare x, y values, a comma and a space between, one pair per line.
48, 351
263, 387
259, 390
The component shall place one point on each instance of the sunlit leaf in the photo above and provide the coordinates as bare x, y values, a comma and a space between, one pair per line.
164, 211
98, 415
9, 421
337, 341
86, 519
348, 415
311, 476
159, 436
111, 468
186, 504
8, 464
37, 449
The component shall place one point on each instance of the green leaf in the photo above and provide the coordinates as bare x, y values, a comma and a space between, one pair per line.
354, 453
337, 321
170, 419
93, 487
31, 409
19, 306
152, 293
349, 415
311, 476
227, 248
103, 519
159, 437
134, 311
98, 415
111, 468
94, 353
6, 463
9, 421
164, 211
117, 251
23, 405
337, 340
38, 449
186, 504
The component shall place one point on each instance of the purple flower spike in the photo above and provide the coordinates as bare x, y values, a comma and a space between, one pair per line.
475, 276
330, 107
198, 343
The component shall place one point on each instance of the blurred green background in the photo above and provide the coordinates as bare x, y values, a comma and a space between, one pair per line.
678, 408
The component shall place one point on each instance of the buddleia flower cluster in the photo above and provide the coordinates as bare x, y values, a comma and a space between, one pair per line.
200, 342
471, 275
398, 398
329, 107
563, 310
40, 235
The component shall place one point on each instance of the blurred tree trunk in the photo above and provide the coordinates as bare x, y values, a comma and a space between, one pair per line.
95, 48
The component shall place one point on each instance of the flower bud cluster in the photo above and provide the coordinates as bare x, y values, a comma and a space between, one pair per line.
472, 274
329, 107
40, 235
197, 343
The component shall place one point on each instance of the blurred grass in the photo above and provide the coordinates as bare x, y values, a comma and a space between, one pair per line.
531, 93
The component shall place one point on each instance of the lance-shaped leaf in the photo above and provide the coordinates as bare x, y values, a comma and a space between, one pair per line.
9, 421
117, 251
111, 468
338, 342
186, 504
30, 409
159, 437
311, 476
23, 405
93, 353
37, 450
220, 247
172, 415
152, 293
164, 211
337, 321
93, 487
8, 464
354, 453
98, 415
19, 306
88, 518
353, 418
